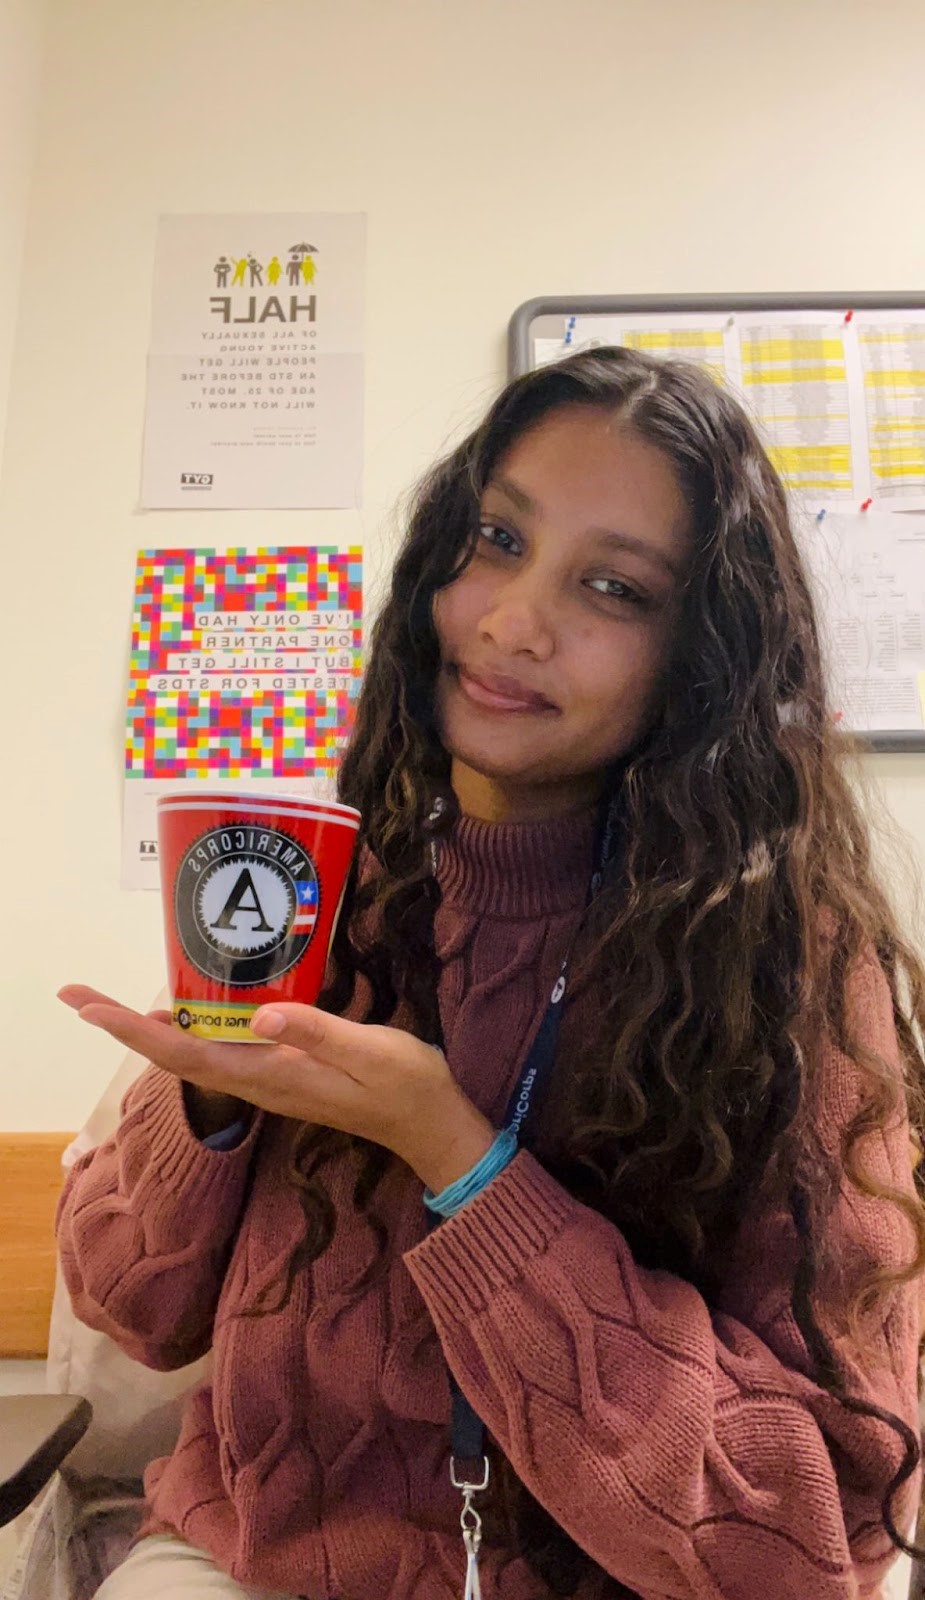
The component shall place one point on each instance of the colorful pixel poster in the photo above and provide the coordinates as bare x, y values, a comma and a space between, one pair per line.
255, 370
245, 665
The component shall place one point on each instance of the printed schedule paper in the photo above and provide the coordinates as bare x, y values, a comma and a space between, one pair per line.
892, 349
796, 385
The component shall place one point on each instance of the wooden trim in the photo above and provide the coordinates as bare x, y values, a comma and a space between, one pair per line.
30, 1182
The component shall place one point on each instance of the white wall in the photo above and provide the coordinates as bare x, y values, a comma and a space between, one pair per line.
21, 31
502, 148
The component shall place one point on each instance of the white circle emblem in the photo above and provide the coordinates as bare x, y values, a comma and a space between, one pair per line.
245, 905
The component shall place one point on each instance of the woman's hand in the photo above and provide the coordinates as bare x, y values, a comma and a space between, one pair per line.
380, 1083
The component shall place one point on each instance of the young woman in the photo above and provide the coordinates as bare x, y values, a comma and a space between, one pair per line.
681, 1296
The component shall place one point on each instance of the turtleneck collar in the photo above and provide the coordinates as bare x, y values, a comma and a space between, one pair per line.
517, 869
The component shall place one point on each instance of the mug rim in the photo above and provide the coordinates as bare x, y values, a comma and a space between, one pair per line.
181, 800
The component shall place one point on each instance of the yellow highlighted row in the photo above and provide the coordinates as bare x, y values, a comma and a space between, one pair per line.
813, 455
673, 336
793, 350
831, 374
818, 471
903, 336
832, 485
902, 377
900, 469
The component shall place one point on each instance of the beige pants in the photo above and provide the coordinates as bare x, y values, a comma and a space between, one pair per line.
161, 1567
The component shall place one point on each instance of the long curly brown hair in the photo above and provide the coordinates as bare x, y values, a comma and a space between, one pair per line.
745, 892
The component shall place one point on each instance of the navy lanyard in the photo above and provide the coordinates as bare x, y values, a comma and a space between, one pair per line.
467, 1428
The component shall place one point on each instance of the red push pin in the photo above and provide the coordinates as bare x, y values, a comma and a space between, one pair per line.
866, 505
848, 315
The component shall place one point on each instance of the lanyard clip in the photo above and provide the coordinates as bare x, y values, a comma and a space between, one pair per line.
468, 1487
471, 1524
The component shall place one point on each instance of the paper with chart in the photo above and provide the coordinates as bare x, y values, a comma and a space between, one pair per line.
892, 350
868, 574
838, 396
796, 385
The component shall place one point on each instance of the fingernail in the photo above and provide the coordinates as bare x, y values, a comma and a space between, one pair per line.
268, 1024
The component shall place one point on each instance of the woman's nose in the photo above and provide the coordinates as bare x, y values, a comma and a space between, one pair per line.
519, 620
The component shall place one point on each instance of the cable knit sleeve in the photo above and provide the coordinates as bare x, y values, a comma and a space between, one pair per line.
146, 1224
685, 1447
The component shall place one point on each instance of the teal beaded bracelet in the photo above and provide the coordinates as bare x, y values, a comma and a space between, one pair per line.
458, 1194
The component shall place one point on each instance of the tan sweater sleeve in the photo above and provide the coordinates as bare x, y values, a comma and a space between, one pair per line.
146, 1224
685, 1448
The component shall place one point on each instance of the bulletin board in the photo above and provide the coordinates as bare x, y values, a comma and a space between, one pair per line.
835, 384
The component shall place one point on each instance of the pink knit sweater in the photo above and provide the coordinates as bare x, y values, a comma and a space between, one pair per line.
684, 1446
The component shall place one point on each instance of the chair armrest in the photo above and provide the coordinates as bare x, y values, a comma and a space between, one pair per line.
37, 1431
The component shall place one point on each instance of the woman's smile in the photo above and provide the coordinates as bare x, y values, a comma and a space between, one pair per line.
494, 692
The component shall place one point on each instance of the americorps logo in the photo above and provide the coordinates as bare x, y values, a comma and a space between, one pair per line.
196, 480
246, 904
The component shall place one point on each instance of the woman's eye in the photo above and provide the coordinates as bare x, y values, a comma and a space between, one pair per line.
497, 536
615, 589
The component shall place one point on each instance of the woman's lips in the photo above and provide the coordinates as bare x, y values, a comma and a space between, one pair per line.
500, 694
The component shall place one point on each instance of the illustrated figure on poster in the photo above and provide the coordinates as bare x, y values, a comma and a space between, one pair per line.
240, 272
256, 268
274, 271
222, 269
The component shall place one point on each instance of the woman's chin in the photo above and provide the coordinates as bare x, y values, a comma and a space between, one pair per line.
495, 767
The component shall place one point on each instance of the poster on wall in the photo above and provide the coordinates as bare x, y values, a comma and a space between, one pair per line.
255, 368
245, 666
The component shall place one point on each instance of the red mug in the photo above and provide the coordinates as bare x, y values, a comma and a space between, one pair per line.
251, 889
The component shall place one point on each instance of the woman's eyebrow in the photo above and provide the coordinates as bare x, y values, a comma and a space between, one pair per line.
623, 541
517, 496
638, 547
